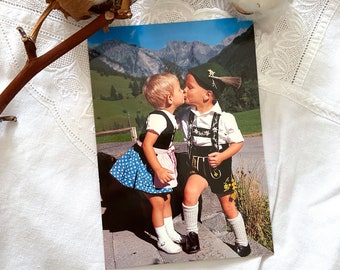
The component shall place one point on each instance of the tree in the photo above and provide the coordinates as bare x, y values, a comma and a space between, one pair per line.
135, 89
113, 93
140, 120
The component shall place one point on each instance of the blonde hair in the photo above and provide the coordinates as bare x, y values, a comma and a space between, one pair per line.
158, 87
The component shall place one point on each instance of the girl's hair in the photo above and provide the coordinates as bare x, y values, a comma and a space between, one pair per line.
158, 87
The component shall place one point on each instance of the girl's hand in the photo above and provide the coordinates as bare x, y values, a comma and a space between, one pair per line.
215, 159
164, 175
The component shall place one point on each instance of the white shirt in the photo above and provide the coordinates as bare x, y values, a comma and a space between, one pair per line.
228, 128
158, 123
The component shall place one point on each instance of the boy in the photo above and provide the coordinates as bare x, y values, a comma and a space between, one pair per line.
213, 138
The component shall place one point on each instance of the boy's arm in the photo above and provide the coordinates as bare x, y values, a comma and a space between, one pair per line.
216, 158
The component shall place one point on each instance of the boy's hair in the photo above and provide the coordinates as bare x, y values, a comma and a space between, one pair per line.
157, 88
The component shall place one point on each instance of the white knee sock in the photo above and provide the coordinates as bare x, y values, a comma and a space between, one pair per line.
190, 217
169, 226
237, 224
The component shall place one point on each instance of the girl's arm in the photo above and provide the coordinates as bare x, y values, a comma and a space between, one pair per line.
164, 175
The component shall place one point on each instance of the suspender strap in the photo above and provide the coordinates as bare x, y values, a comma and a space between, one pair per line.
214, 128
212, 133
190, 139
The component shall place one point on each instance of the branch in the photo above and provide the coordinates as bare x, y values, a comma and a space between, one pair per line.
34, 33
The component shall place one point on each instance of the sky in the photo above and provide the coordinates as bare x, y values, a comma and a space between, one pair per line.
156, 36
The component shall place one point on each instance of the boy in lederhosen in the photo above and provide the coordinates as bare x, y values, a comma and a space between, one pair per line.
213, 138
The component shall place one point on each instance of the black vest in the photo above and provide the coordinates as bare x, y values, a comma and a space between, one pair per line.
166, 137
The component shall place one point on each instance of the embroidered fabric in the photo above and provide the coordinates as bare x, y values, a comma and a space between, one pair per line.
287, 54
48, 173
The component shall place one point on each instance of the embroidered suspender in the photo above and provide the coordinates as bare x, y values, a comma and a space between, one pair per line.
214, 127
189, 141
202, 132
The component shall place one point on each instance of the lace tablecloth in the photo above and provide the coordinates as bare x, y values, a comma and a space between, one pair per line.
49, 197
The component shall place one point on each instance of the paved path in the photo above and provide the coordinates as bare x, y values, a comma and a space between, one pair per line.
129, 239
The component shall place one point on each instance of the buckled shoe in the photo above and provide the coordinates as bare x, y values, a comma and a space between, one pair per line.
192, 244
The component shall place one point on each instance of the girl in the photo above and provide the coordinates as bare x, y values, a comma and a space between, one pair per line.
150, 165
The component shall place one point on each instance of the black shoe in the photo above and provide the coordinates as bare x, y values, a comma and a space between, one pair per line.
242, 251
192, 244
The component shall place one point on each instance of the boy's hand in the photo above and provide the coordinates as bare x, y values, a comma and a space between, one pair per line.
164, 175
215, 159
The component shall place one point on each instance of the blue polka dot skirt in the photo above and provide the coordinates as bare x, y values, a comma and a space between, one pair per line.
131, 172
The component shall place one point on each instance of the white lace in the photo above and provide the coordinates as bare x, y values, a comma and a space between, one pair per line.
70, 103
287, 53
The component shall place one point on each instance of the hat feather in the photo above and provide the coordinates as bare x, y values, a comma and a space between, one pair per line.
234, 81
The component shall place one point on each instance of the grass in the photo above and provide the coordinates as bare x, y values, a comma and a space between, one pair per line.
253, 203
249, 122
119, 113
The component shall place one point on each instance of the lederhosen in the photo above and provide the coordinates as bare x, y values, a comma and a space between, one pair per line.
220, 179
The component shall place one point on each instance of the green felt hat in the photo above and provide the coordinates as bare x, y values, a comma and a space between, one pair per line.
211, 77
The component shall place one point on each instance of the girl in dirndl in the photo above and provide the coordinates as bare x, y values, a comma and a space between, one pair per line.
150, 165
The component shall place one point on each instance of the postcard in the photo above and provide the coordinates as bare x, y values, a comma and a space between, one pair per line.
121, 60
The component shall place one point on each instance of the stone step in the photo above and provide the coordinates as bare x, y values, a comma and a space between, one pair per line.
125, 249
132, 248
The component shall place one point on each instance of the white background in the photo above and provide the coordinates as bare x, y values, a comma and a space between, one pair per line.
49, 195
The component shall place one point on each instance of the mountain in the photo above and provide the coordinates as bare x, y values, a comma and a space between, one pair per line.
239, 58
140, 62
127, 58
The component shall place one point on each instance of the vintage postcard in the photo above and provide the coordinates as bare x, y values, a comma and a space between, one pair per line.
120, 61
